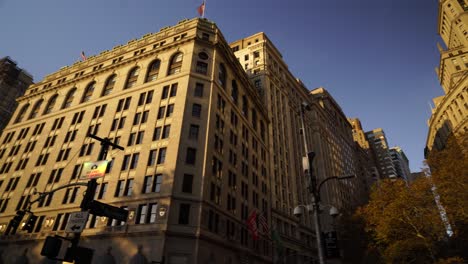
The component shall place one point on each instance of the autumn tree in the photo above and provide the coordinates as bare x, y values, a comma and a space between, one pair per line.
449, 173
403, 222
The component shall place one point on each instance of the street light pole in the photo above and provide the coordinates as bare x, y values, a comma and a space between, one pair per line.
314, 189
312, 186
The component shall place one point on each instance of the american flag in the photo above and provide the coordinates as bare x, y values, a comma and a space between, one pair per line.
252, 224
201, 9
263, 223
83, 56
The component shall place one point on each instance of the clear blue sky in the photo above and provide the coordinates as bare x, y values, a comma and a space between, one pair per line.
376, 57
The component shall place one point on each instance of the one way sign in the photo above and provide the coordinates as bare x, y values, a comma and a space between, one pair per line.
76, 222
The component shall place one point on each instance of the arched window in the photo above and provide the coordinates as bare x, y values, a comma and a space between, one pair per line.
153, 71
109, 85
69, 98
132, 77
88, 92
175, 64
21, 113
222, 75
35, 109
50, 105
234, 92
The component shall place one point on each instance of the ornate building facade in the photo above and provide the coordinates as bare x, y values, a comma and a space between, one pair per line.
211, 131
326, 132
450, 114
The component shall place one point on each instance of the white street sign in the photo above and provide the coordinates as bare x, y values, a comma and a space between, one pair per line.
76, 222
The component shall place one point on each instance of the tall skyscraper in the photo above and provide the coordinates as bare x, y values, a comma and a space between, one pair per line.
13, 83
381, 151
401, 163
208, 141
366, 161
450, 114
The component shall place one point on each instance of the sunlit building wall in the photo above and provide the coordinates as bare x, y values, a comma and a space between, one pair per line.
196, 158
450, 112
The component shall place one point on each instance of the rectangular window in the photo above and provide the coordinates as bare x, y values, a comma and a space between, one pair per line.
161, 156
191, 156
128, 187
134, 162
144, 117
136, 119
125, 162
157, 133
103, 190
152, 211
170, 110
202, 67
152, 157
165, 92
198, 92
161, 112
119, 191
184, 214
196, 110
157, 183
131, 139
187, 183
173, 90
139, 138
166, 131
141, 214
147, 183
193, 132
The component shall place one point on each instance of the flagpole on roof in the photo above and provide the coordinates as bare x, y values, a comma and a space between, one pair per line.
204, 8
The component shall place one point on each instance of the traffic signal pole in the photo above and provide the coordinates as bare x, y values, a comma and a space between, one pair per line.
88, 203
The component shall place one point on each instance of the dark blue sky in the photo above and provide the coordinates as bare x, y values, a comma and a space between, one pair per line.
376, 57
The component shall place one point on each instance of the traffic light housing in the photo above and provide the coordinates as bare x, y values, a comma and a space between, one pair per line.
51, 247
14, 223
30, 222
89, 195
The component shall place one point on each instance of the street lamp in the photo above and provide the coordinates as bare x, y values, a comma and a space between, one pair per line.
314, 189
316, 207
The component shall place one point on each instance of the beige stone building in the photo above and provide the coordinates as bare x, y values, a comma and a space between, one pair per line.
192, 147
211, 132
327, 133
450, 114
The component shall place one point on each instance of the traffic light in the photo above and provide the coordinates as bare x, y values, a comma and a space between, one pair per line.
30, 222
89, 195
14, 223
51, 247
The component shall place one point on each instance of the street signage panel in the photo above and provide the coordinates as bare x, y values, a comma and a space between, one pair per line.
92, 170
76, 222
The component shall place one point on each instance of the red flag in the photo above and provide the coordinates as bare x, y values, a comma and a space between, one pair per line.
201, 9
83, 56
263, 222
252, 224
